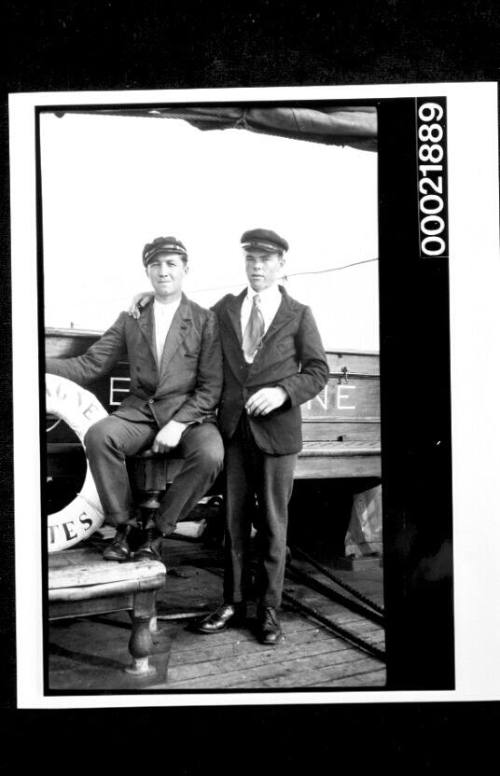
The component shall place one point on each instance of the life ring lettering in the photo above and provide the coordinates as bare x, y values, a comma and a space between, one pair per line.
80, 409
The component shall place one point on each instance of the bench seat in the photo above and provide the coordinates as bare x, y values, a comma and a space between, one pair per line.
82, 584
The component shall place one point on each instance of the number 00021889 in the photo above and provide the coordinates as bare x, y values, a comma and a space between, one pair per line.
431, 144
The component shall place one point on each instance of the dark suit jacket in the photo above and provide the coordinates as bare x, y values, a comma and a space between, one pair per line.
187, 386
291, 355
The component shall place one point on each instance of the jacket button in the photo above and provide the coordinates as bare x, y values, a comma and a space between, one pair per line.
151, 401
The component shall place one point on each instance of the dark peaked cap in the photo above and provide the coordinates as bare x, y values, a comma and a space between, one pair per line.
162, 245
264, 240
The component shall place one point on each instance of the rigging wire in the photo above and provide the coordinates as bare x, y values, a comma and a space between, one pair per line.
285, 277
291, 275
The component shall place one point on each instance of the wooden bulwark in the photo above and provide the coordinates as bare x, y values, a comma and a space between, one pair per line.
335, 460
341, 426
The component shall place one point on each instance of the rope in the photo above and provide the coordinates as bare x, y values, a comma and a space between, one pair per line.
334, 628
337, 580
302, 578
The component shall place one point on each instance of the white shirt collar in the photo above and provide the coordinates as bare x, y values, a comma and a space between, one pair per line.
267, 293
166, 308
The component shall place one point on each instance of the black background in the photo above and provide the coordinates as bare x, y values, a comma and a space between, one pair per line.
416, 425
123, 45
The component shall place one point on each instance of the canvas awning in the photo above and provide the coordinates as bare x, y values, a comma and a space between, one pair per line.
340, 125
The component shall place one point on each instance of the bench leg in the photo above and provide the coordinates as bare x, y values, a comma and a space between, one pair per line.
141, 643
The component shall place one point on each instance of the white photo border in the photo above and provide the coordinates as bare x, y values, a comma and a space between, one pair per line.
474, 277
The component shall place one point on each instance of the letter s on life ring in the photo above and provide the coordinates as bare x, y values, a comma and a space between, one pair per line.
79, 409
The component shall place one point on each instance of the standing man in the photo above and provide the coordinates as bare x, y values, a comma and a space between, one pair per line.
175, 362
273, 362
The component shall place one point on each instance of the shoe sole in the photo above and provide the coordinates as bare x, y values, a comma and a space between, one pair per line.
231, 624
214, 630
271, 643
147, 556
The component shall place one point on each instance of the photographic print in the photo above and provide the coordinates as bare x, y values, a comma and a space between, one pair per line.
215, 512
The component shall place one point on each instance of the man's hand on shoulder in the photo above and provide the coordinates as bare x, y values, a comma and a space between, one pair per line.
139, 299
168, 437
266, 400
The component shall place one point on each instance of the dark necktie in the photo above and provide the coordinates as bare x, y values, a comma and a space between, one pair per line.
254, 330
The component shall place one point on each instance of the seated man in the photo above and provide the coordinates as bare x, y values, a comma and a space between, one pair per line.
175, 362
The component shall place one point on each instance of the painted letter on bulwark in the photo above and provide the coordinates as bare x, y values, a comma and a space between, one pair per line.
80, 410
334, 398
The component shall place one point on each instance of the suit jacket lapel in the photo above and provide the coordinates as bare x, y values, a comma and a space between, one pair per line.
180, 325
146, 325
284, 314
234, 314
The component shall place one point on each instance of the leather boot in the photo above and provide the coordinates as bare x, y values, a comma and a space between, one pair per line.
150, 549
268, 626
119, 549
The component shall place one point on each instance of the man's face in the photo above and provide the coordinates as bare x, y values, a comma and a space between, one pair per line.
263, 269
166, 273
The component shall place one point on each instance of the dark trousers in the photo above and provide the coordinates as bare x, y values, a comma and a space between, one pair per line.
110, 440
258, 489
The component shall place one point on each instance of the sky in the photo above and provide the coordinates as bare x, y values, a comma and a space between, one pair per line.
112, 184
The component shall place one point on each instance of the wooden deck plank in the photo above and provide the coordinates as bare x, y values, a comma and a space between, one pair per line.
290, 661
299, 672
209, 647
242, 662
227, 671
212, 650
297, 629
294, 627
227, 659
365, 679
339, 675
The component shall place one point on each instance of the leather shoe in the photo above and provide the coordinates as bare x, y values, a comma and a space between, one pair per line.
219, 619
151, 548
119, 549
268, 626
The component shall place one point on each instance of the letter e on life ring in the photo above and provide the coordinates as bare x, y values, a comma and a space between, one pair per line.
80, 410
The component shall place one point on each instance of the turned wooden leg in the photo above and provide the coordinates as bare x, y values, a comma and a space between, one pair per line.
141, 643
153, 624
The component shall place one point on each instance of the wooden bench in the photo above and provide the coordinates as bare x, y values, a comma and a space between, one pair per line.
82, 584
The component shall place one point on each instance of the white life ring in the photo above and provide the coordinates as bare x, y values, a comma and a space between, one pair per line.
82, 516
